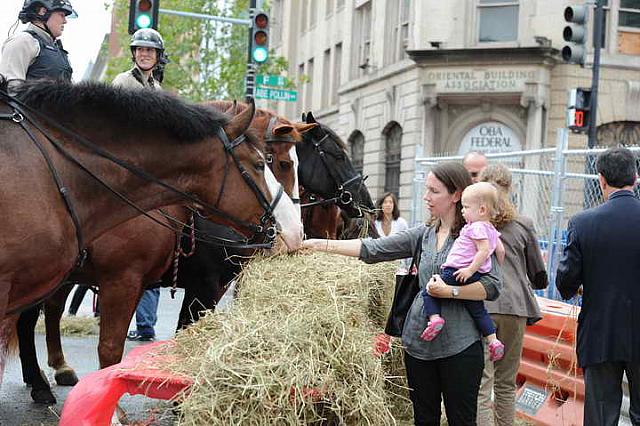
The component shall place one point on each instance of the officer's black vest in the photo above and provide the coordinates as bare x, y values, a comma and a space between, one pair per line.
51, 63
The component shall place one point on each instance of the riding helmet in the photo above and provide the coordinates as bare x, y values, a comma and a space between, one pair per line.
29, 9
147, 37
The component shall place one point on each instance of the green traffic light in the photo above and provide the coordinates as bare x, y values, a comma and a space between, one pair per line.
143, 21
260, 54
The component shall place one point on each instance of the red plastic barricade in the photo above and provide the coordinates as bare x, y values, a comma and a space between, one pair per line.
551, 395
93, 400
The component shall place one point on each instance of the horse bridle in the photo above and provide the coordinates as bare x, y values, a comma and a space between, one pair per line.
342, 197
22, 112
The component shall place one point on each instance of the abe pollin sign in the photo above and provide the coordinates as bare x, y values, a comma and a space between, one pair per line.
490, 137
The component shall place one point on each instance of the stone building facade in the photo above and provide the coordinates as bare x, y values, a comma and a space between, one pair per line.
404, 78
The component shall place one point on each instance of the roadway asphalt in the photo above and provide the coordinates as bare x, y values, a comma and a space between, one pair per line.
17, 408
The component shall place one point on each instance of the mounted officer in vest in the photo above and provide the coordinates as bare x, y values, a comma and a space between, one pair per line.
37, 52
147, 54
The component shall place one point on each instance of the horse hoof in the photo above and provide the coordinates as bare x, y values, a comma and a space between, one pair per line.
43, 396
66, 377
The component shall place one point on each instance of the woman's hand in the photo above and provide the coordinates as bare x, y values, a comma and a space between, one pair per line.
437, 288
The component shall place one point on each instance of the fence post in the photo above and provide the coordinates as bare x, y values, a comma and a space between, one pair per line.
557, 210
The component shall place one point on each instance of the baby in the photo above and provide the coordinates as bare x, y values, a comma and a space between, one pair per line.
468, 260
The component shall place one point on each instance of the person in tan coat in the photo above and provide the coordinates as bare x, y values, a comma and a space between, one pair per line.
523, 271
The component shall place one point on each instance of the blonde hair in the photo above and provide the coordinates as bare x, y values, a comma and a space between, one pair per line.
500, 176
486, 194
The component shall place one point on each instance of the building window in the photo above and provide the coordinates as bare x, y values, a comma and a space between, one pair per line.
629, 14
397, 30
308, 95
498, 20
337, 72
330, 7
356, 151
362, 38
629, 27
326, 74
393, 143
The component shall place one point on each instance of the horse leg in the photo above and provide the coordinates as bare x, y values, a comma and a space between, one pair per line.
53, 310
8, 340
199, 295
31, 373
118, 300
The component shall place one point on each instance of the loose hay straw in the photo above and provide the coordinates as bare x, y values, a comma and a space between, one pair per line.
296, 347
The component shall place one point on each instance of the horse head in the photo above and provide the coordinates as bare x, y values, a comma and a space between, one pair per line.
251, 169
322, 149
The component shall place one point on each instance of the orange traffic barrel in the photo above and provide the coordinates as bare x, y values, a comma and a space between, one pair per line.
550, 387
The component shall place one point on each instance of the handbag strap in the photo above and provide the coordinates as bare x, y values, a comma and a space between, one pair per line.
416, 254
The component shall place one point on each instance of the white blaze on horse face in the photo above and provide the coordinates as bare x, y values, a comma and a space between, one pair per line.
296, 185
287, 216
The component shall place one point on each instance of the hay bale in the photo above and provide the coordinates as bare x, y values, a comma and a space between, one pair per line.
295, 348
73, 326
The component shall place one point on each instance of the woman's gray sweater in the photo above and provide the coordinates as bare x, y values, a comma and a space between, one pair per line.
459, 331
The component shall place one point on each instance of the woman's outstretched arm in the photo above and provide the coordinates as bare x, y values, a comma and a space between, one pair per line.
343, 247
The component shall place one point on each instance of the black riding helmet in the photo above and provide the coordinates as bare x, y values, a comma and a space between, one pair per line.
148, 37
29, 12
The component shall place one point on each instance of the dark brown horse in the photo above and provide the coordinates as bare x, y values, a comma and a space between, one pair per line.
152, 149
124, 260
319, 217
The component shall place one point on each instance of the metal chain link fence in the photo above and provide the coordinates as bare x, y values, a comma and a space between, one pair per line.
549, 185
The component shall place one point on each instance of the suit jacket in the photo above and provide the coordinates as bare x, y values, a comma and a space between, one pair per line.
603, 255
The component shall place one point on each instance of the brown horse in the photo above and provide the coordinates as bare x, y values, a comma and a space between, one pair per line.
319, 217
151, 149
123, 261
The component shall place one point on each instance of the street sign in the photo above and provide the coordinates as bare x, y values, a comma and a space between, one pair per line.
271, 80
276, 94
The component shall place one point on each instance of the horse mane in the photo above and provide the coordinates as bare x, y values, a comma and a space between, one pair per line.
334, 136
224, 105
132, 109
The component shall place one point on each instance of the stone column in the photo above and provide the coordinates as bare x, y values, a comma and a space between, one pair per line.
534, 191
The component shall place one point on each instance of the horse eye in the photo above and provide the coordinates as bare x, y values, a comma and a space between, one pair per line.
285, 165
260, 165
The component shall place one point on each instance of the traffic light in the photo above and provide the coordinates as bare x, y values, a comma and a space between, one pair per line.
143, 14
260, 37
579, 110
575, 33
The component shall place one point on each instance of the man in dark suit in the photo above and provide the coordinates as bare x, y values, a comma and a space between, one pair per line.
603, 256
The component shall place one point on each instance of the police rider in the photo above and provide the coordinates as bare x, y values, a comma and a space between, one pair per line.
147, 51
37, 52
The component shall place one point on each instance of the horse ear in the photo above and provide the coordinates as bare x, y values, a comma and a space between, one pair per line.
304, 117
304, 128
241, 122
311, 118
231, 110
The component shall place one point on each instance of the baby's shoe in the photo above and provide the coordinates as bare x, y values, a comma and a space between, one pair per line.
496, 350
433, 329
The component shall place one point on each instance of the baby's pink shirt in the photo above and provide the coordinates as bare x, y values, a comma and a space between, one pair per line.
464, 248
